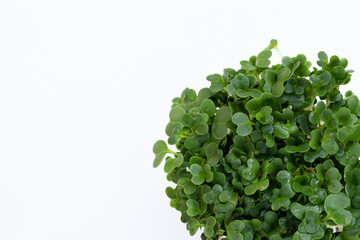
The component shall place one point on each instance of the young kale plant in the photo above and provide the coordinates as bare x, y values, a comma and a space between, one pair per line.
267, 152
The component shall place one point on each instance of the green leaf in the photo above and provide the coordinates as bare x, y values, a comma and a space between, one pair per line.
223, 210
160, 149
311, 222
211, 196
282, 76
219, 129
254, 93
264, 115
170, 192
332, 178
338, 72
217, 82
335, 205
270, 221
225, 196
244, 124
188, 95
246, 65
193, 226
354, 133
311, 156
298, 210
251, 171
315, 139
235, 229
269, 76
323, 56
300, 148
204, 93
343, 134
279, 202
202, 129
352, 179
301, 185
320, 80
284, 178
193, 208
281, 131
176, 113
275, 165
187, 185
314, 117
212, 154
197, 172
319, 193
262, 59
273, 44
173, 163
261, 185
200, 173
209, 227
329, 143
353, 104
208, 107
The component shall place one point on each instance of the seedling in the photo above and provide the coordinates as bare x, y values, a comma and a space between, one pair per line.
267, 152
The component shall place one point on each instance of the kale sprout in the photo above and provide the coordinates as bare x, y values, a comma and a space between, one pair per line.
267, 152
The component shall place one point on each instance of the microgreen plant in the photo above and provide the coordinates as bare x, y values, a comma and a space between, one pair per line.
267, 152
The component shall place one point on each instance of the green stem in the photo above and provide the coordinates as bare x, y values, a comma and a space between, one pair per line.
277, 49
172, 152
324, 219
327, 102
310, 107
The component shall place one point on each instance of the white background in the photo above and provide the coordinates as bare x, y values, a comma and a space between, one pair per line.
85, 91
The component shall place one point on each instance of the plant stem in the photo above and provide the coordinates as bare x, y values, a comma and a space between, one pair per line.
220, 236
310, 107
277, 49
326, 218
172, 152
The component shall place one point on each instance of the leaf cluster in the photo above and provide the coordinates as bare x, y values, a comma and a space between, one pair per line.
267, 152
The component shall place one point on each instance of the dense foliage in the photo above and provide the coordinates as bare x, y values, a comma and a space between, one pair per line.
267, 152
